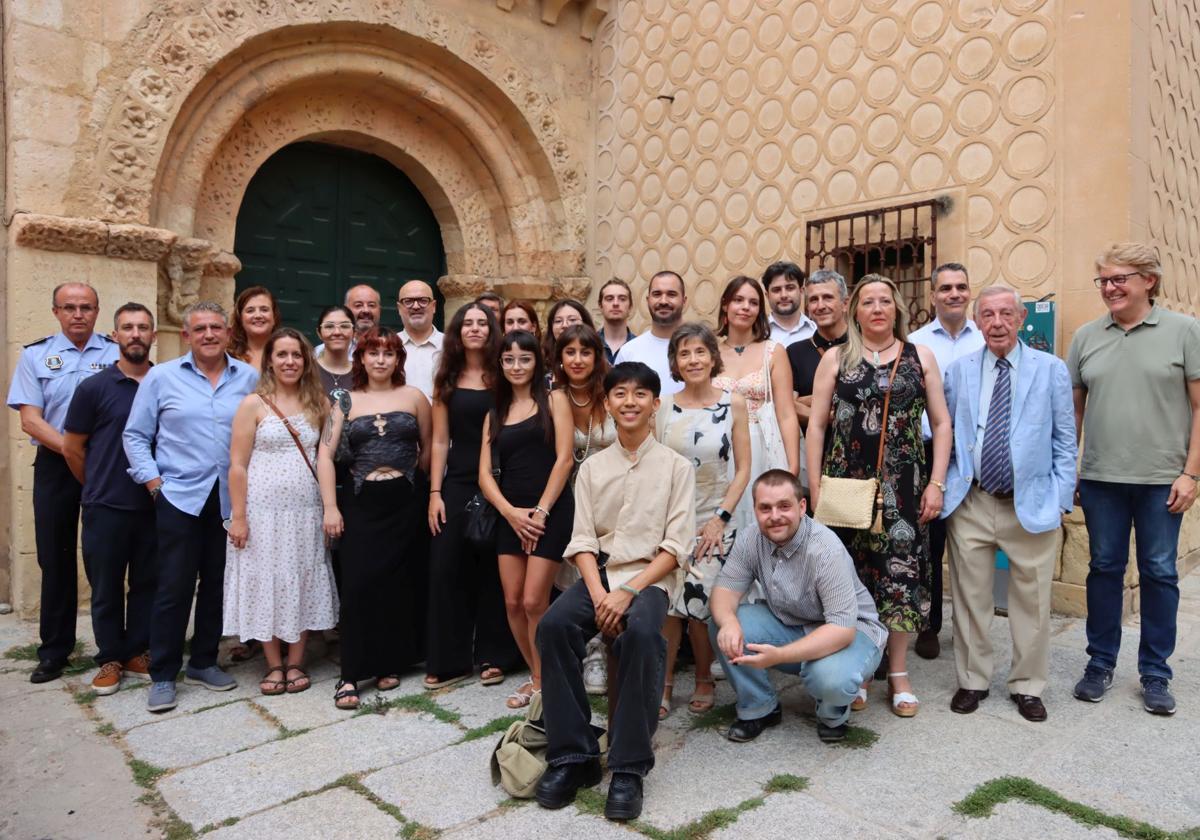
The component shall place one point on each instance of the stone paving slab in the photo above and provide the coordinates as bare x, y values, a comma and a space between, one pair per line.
476, 703
445, 788
335, 813
127, 708
175, 743
529, 822
787, 816
250, 781
1022, 821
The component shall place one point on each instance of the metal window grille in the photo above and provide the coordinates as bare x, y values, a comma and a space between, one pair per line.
899, 242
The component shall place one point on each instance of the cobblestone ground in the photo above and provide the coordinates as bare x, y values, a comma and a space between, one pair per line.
415, 764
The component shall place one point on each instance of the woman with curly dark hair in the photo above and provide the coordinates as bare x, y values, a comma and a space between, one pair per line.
387, 433
468, 629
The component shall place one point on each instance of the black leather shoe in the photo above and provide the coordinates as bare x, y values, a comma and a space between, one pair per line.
966, 700
748, 730
46, 671
1030, 707
832, 734
558, 785
624, 797
927, 645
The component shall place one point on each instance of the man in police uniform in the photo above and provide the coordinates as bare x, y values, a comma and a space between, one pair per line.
44, 382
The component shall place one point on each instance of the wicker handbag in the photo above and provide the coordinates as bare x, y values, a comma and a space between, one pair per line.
858, 502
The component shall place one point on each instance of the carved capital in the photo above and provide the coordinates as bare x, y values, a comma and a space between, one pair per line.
136, 242
223, 265
58, 233
455, 286
179, 275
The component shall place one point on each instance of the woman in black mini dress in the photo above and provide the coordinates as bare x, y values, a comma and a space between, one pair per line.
528, 438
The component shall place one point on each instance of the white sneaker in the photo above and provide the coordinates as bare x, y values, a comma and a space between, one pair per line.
595, 670
718, 673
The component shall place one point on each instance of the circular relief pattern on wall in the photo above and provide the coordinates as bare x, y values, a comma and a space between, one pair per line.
627, 267
883, 131
704, 294
679, 143
626, 232
804, 108
604, 235
769, 74
1022, 7
706, 214
735, 169
1028, 153
885, 178
976, 161
709, 56
708, 96
654, 113
736, 10
679, 221
735, 210
927, 121
627, 159
652, 227
629, 122
927, 71
708, 135
883, 35
771, 115
604, 199
738, 45
804, 151
974, 109
842, 50
1027, 42
706, 175
884, 84
840, 12
679, 181
841, 186
771, 31
1027, 207
680, 67
651, 188
805, 20
841, 96
768, 245
1028, 97
878, 5
768, 160
650, 263
975, 57
927, 22
738, 125
927, 170
982, 216
735, 252
981, 263
681, 29
1027, 259
654, 78
1154, 215
677, 254
769, 204
841, 142
654, 39
805, 64
804, 196
709, 18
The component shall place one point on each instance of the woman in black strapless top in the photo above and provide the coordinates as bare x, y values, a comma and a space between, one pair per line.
530, 442
468, 629
388, 432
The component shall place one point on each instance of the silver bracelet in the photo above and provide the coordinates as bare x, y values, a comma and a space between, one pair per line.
541, 510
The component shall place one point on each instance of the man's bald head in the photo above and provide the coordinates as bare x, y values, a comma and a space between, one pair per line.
416, 305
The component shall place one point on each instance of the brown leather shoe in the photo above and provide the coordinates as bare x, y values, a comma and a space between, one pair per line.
138, 667
927, 645
1030, 707
966, 700
108, 680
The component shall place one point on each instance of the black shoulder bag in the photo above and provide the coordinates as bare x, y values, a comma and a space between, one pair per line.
482, 516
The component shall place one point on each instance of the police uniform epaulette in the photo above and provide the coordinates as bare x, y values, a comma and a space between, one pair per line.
108, 338
40, 341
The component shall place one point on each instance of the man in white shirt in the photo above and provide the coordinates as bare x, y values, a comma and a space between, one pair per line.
666, 300
422, 341
784, 282
950, 335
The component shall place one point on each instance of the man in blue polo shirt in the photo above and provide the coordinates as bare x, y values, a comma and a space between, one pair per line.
177, 442
118, 515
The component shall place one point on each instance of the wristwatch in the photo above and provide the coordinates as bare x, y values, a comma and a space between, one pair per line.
939, 485
724, 515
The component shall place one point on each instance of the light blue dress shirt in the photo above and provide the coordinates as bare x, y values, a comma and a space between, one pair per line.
50, 370
987, 384
188, 423
946, 349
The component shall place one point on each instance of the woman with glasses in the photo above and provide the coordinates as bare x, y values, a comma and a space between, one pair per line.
565, 313
527, 437
335, 328
468, 628
876, 367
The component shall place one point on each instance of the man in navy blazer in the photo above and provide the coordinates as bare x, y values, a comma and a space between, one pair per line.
1011, 478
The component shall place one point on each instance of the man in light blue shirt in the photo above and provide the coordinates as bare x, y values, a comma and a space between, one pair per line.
46, 377
177, 443
950, 335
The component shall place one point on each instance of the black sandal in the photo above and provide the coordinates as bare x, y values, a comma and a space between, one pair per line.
345, 690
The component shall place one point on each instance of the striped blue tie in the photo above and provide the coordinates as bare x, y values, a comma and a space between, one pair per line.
995, 462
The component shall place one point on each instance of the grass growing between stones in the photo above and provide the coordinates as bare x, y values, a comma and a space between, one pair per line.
500, 724
785, 783
409, 829
106, 729
84, 698
982, 801
858, 738
715, 718
144, 773
77, 662
410, 703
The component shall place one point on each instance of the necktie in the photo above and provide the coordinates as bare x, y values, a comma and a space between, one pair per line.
995, 462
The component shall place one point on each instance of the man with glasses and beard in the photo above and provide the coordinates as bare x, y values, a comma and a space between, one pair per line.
118, 514
666, 299
422, 340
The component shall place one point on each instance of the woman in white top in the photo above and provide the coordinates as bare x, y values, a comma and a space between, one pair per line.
579, 368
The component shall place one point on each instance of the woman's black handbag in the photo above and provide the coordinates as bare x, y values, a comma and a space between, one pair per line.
482, 516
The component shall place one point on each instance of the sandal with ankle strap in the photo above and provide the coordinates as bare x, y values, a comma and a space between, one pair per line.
520, 698
899, 697
345, 695
664, 708
860, 699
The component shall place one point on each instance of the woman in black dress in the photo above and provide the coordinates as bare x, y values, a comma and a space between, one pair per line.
388, 435
529, 438
468, 629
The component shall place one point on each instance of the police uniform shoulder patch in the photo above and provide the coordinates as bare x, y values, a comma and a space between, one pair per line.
39, 341
107, 338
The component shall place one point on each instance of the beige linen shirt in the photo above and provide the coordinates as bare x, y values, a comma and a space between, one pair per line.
631, 505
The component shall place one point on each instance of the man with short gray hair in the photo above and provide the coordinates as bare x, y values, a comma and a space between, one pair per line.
177, 442
826, 297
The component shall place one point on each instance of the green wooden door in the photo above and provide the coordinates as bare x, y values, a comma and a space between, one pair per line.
318, 219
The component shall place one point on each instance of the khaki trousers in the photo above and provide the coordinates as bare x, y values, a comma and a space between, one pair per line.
980, 525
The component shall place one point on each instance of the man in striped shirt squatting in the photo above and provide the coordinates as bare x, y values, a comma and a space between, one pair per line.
817, 619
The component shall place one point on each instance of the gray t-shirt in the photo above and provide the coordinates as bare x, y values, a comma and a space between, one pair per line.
808, 582
1138, 417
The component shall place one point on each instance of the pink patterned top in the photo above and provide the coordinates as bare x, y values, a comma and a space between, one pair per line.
752, 386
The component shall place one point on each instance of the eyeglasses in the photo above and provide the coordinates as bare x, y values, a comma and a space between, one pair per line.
339, 326
72, 309
416, 303
517, 361
1117, 280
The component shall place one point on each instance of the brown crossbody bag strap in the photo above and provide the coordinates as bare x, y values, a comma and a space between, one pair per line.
877, 526
296, 436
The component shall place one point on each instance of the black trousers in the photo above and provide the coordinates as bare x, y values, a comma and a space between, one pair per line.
56, 532
641, 651
937, 549
189, 547
116, 542
468, 627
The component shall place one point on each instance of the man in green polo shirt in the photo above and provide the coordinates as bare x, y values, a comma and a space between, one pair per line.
1136, 379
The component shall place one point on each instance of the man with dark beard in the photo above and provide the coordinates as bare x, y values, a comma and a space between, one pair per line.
118, 515
666, 299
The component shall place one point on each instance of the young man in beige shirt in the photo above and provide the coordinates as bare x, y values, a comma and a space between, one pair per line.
634, 522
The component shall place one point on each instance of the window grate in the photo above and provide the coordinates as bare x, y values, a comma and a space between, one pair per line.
899, 242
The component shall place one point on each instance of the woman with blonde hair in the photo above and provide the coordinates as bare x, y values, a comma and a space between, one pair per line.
877, 386
278, 580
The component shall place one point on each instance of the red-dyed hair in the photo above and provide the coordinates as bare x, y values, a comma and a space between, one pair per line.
373, 339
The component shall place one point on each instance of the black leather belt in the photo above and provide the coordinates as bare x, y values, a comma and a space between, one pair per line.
1008, 495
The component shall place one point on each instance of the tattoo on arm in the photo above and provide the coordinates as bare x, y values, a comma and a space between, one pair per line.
329, 430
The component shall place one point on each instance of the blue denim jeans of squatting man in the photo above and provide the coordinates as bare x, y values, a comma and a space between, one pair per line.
832, 681
1111, 509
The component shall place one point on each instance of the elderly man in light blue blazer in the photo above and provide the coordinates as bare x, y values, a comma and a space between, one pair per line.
1011, 478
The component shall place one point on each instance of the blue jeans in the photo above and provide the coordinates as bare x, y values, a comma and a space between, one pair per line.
832, 681
1111, 509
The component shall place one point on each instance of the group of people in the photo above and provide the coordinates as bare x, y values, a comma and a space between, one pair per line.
639, 486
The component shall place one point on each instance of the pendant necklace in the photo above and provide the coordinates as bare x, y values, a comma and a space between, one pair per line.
881, 350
